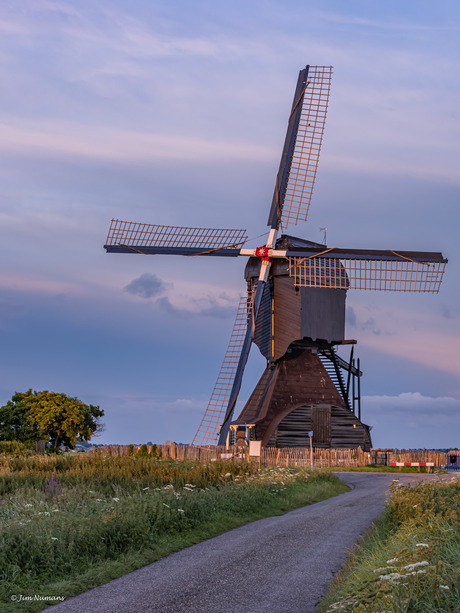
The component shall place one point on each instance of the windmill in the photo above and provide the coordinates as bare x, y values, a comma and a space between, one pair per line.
294, 310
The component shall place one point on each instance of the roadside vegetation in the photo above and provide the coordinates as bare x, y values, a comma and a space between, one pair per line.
72, 522
410, 561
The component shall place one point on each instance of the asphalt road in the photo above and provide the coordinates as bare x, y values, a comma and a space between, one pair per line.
279, 564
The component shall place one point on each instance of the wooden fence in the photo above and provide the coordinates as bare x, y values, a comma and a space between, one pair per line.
385, 456
288, 456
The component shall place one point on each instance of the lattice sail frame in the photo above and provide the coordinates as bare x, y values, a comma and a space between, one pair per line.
209, 428
368, 274
148, 235
295, 202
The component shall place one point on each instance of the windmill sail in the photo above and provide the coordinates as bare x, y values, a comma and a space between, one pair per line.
402, 271
209, 428
149, 239
299, 161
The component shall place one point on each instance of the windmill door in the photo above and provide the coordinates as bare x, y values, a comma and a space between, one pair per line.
321, 425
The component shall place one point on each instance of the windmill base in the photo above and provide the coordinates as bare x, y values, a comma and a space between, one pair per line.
295, 396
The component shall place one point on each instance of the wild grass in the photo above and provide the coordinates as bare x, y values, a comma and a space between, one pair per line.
73, 522
411, 559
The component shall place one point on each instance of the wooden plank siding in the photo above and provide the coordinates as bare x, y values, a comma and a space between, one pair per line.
263, 326
332, 426
286, 315
322, 314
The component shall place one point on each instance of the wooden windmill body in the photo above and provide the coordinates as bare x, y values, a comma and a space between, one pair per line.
294, 310
297, 331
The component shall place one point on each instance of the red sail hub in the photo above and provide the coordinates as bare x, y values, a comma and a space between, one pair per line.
262, 253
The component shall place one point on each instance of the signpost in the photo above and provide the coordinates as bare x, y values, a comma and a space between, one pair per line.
310, 434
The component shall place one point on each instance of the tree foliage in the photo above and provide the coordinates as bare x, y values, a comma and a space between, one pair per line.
58, 418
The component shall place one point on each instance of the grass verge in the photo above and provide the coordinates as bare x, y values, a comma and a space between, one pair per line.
72, 523
410, 560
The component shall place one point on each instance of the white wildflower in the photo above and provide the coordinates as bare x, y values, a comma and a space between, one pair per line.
181, 510
421, 545
189, 485
166, 505
54, 538
415, 565
444, 587
28, 505
228, 475
416, 572
144, 489
116, 499
189, 489
168, 487
99, 500
390, 577
392, 560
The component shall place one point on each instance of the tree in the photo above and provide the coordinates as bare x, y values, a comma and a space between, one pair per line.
56, 417
15, 424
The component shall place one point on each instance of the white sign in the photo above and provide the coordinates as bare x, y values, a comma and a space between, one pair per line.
255, 448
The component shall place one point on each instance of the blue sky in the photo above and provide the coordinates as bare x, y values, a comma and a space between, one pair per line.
174, 113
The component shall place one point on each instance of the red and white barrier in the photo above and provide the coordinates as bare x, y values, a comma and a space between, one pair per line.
427, 465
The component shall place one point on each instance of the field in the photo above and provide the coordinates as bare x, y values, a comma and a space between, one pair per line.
70, 523
410, 561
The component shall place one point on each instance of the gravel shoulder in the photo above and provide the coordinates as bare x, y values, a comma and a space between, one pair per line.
282, 563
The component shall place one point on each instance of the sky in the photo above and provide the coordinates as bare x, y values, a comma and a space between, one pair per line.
174, 113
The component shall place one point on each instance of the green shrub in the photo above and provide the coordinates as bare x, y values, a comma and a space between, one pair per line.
15, 448
143, 452
155, 452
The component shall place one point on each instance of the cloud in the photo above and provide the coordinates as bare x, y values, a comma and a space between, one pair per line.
206, 307
178, 304
147, 285
350, 316
56, 138
421, 336
408, 26
414, 404
27, 283
411, 420
448, 312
